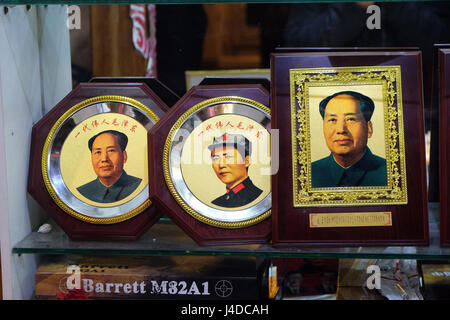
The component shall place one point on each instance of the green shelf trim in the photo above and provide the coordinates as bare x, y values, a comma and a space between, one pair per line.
274, 254
93, 2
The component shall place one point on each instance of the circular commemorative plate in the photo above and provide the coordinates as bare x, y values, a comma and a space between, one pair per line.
94, 161
216, 162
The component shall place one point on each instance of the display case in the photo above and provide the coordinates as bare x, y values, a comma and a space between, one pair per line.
48, 48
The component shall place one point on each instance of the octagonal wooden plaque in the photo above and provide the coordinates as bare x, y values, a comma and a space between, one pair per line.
210, 164
88, 163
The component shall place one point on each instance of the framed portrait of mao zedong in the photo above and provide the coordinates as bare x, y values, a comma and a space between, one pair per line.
353, 135
211, 164
89, 162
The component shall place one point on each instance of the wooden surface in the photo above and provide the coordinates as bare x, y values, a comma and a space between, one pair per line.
410, 223
202, 233
433, 167
230, 42
76, 229
444, 133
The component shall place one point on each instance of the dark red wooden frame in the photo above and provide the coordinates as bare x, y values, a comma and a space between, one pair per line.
410, 221
443, 69
161, 90
76, 229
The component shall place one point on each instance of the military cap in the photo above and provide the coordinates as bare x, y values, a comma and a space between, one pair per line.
240, 142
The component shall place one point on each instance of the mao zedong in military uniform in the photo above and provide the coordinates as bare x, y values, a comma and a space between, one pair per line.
108, 157
347, 128
230, 154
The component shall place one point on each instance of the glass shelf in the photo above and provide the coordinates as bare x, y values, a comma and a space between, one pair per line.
166, 239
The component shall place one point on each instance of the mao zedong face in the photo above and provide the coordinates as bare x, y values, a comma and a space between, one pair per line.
108, 158
345, 129
229, 165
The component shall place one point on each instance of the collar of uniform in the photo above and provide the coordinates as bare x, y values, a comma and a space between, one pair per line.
240, 186
114, 189
353, 173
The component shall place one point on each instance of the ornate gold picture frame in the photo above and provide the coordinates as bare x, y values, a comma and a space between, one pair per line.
310, 86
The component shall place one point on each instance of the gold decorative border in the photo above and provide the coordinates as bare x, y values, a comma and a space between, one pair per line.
48, 142
166, 167
306, 196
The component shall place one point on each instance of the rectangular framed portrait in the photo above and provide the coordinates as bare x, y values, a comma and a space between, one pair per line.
352, 135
